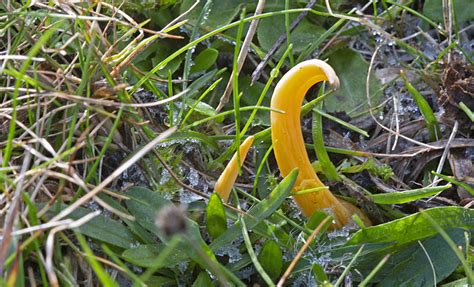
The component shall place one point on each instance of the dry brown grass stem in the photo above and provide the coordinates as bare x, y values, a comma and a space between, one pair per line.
12, 215
444, 156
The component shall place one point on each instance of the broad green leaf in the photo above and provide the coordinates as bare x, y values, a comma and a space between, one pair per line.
202, 108
410, 264
271, 28
399, 270
259, 212
319, 275
400, 197
415, 226
251, 94
162, 53
144, 204
145, 255
161, 281
133, 226
271, 259
204, 60
202, 81
316, 218
222, 12
102, 228
215, 216
352, 70
433, 9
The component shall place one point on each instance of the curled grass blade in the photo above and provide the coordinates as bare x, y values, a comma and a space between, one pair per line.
449, 179
426, 111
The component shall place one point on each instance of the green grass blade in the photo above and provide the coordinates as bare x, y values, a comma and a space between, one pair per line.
102, 275
342, 123
327, 166
467, 110
260, 211
449, 179
256, 263
348, 267
33, 52
426, 111
374, 271
400, 197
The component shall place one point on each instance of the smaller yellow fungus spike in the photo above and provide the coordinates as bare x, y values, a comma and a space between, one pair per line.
288, 143
227, 179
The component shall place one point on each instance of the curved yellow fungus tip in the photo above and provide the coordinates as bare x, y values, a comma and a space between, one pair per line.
288, 144
227, 179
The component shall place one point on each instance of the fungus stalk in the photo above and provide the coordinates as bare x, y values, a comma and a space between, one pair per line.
288, 143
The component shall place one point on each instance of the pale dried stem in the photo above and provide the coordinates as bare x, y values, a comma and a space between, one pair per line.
12, 215
301, 252
397, 121
182, 15
242, 54
442, 160
69, 224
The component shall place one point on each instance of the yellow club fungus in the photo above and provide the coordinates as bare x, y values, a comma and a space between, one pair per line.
288, 143
227, 179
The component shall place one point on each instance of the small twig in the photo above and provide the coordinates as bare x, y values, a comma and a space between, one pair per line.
328, 7
433, 269
242, 54
443, 157
397, 121
300, 252
471, 203
258, 71
175, 20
